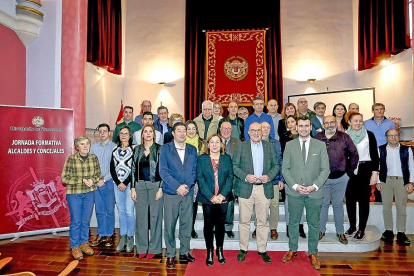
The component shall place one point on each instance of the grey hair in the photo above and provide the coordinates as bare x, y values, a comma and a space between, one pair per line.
81, 138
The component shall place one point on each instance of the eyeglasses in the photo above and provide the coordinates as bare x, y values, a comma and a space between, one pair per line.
103, 131
226, 128
329, 123
124, 133
303, 102
393, 135
255, 131
207, 109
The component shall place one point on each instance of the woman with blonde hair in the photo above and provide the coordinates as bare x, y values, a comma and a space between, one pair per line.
147, 194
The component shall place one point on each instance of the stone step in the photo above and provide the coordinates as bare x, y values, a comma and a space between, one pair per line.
329, 243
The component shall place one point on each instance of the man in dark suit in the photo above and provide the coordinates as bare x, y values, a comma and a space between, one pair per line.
231, 143
317, 121
305, 169
178, 170
255, 165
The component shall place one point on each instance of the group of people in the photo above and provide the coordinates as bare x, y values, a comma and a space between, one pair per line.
158, 168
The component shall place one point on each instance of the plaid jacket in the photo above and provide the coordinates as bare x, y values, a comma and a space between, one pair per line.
75, 170
243, 165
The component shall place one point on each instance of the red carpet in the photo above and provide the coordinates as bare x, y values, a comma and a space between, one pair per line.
253, 265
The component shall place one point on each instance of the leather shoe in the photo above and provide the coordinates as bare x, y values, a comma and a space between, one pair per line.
170, 262
220, 255
273, 234
388, 236
242, 255
314, 261
187, 257
342, 238
210, 257
254, 234
265, 257
194, 234
230, 234
321, 235
289, 256
108, 241
402, 239
97, 241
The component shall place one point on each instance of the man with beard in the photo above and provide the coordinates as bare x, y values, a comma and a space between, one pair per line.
343, 160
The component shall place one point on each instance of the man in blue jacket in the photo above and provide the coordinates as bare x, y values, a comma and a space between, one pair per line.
178, 161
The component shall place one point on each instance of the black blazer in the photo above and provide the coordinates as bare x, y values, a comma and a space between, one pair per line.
205, 178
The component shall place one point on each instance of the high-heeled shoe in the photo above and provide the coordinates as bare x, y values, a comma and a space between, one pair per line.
210, 257
220, 255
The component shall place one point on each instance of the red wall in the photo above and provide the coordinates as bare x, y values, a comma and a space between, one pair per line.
12, 68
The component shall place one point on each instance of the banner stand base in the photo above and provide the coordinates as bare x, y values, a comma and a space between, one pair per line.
15, 236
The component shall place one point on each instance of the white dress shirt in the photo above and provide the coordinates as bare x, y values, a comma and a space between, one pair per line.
180, 150
394, 162
307, 143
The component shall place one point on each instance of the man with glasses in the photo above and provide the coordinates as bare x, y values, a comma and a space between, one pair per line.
147, 120
104, 196
178, 162
162, 123
303, 108
317, 121
255, 165
231, 143
343, 160
133, 126
305, 169
207, 123
243, 113
237, 124
146, 106
396, 178
258, 116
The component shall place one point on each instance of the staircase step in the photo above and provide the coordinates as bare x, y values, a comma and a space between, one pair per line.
329, 243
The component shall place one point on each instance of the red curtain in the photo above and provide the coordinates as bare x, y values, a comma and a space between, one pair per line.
229, 15
383, 30
105, 34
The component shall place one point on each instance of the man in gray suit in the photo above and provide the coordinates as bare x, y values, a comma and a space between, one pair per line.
231, 143
255, 165
305, 169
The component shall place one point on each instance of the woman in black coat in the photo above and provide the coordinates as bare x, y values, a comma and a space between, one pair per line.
215, 182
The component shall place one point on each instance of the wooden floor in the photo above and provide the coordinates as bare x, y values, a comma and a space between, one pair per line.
49, 254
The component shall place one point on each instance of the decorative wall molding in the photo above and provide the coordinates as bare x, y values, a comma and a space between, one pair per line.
26, 20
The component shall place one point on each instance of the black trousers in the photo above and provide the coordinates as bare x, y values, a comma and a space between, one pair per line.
214, 219
359, 190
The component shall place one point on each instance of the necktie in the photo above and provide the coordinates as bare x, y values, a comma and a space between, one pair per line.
304, 152
228, 147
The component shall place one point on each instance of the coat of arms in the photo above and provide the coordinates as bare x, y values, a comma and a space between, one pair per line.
236, 68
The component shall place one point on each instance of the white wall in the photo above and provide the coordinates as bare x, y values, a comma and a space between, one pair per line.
155, 48
317, 43
43, 57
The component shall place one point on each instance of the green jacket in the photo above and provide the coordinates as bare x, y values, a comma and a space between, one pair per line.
132, 125
243, 165
315, 171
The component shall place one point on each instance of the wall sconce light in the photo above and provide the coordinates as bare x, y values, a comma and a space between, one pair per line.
311, 80
385, 62
163, 83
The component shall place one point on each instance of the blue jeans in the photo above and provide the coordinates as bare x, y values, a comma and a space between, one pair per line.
105, 209
80, 208
125, 206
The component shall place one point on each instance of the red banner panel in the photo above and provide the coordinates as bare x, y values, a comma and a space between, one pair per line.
35, 144
235, 66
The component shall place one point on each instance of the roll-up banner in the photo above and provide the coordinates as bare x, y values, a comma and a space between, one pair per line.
35, 143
